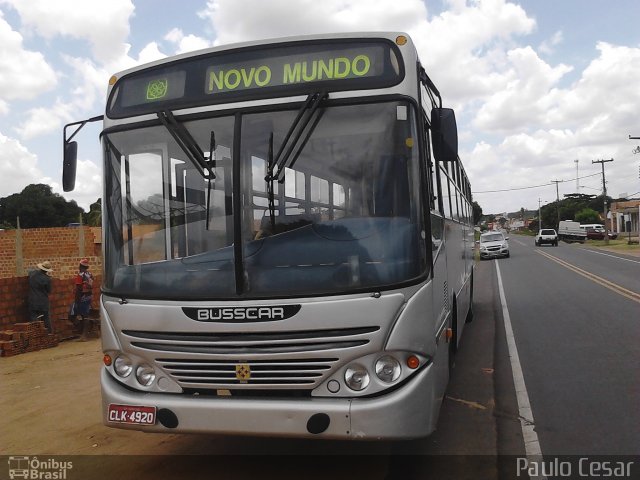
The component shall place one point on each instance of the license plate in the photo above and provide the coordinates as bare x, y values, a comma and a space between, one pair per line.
132, 414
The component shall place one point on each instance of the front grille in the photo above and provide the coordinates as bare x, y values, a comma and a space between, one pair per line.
222, 373
276, 360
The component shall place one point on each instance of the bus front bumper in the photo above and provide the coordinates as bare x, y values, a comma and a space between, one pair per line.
405, 413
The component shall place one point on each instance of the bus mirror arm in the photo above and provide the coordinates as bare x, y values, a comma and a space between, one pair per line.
70, 153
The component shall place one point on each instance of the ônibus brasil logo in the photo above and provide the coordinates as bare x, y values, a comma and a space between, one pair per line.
34, 468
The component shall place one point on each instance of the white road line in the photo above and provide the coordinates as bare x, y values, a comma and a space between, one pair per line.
531, 442
612, 256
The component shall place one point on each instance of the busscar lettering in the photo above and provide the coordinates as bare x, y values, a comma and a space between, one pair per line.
241, 313
232, 78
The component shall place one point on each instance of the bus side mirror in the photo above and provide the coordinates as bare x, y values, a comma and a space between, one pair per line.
69, 166
445, 134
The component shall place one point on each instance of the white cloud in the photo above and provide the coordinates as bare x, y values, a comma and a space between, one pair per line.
24, 74
89, 84
149, 53
526, 97
104, 24
465, 49
278, 18
548, 46
186, 43
18, 166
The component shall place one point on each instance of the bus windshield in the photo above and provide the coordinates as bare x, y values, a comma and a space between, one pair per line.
345, 217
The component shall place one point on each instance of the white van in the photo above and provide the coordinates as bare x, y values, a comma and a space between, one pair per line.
593, 226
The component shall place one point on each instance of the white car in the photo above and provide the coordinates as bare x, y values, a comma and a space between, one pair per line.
546, 235
493, 244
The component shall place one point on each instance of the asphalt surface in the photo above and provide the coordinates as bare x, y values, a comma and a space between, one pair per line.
579, 347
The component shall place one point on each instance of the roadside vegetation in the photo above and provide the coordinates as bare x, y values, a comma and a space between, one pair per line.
619, 245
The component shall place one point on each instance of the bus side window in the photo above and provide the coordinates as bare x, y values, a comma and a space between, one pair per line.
446, 192
437, 227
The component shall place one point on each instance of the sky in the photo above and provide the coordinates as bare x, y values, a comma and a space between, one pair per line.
536, 84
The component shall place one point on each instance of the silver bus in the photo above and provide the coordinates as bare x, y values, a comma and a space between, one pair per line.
287, 239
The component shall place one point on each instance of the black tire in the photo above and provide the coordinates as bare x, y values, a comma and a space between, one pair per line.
453, 342
469, 317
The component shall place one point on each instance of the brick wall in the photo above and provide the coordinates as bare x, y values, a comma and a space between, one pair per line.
13, 299
21, 250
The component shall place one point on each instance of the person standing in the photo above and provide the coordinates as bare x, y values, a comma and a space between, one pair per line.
39, 290
83, 295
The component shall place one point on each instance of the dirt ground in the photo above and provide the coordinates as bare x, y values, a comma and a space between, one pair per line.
51, 406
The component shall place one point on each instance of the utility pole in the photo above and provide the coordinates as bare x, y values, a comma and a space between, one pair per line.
577, 177
604, 198
557, 201
539, 215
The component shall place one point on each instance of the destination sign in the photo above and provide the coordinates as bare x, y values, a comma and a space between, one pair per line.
295, 69
257, 72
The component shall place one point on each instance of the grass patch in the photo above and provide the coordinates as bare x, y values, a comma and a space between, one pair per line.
619, 244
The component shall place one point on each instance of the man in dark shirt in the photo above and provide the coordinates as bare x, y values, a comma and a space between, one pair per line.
39, 290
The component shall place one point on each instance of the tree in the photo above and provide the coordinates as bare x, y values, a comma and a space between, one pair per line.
37, 206
477, 212
94, 217
587, 215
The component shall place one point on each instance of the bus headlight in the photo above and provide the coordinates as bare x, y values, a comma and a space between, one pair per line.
145, 374
356, 377
123, 366
388, 369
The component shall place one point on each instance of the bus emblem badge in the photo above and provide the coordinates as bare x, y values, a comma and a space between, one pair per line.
156, 89
243, 372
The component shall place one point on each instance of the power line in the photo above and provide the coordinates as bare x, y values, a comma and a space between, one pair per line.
534, 186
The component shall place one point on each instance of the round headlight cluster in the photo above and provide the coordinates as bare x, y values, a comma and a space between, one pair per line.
145, 374
123, 366
388, 369
356, 377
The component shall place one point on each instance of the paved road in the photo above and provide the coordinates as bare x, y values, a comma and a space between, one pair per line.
621, 269
579, 345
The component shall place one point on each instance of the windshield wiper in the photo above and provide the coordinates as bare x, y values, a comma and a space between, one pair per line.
297, 128
281, 163
185, 141
190, 147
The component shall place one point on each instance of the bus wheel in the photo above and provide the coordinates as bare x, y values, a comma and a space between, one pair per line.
453, 341
469, 318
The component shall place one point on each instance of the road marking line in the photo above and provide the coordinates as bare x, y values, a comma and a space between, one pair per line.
613, 256
527, 423
517, 241
614, 287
